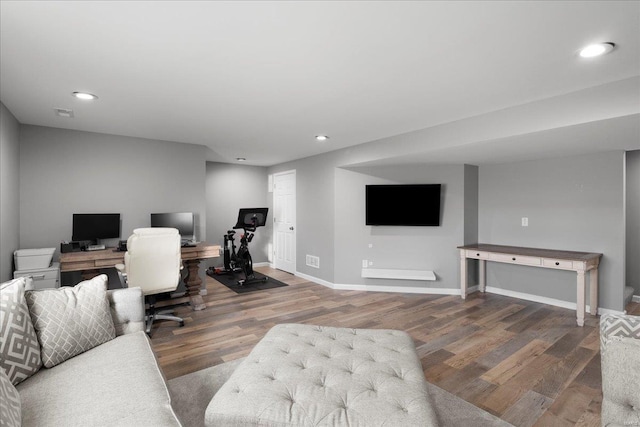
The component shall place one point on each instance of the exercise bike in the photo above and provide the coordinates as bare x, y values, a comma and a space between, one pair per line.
229, 255
248, 220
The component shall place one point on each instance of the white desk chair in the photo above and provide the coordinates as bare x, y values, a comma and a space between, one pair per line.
153, 263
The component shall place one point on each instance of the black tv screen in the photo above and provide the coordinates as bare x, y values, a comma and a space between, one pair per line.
183, 221
403, 204
95, 226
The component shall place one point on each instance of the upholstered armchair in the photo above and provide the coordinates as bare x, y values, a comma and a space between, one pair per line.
620, 353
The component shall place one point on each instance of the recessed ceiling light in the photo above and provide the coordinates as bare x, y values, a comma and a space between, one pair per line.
596, 49
241, 159
84, 95
321, 137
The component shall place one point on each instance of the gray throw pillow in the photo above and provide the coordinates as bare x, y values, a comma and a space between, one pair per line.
10, 405
71, 320
19, 347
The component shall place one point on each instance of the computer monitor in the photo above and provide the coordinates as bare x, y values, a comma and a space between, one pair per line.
183, 221
91, 227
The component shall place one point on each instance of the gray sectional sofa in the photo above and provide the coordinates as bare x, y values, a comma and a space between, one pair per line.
620, 361
116, 382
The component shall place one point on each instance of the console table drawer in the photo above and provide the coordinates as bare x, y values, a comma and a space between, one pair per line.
515, 259
557, 263
478, 254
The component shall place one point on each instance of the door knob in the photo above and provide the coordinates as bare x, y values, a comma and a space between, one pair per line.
291, 228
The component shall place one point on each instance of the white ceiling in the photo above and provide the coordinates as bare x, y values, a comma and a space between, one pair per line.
260, 79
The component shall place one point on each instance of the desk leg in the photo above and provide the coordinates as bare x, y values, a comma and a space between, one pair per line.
593, 288
193, 283
482, 280
463, 274
580, 300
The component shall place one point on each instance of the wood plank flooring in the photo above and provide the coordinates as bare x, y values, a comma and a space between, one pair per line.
524, 362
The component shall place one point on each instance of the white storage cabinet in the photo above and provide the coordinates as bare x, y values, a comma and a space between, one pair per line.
43, 278
36, 263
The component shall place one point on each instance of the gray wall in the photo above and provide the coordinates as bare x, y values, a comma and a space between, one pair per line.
471, 206
573, 203
633, 220
471, 176
411, 248
64, 172
315, 214
231, 187
330, 221
9, 191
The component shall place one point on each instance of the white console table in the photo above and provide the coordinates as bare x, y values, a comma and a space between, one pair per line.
580, 262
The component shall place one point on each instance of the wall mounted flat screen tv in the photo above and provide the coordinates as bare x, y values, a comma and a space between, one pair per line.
403, 204
95, 226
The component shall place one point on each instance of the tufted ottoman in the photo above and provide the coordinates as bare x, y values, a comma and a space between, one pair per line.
302, 375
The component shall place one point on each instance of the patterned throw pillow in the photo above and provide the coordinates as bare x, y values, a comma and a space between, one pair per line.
71, 320
618, 326
19, 347
10, 406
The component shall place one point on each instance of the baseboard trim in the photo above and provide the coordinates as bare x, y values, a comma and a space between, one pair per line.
262, 264
449, 291
531, 297
380, 288
635, 298
314, 279
546, 300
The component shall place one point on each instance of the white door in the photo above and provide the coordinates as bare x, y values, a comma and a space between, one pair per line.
284, 221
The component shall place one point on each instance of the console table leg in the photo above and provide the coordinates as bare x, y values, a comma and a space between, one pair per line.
580, 300
593, 288
482, 280
193, 283
463, 275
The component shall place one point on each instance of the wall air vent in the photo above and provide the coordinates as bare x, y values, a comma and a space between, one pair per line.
313, 261
63, 112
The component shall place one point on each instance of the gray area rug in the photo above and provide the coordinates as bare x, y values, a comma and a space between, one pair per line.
191, 394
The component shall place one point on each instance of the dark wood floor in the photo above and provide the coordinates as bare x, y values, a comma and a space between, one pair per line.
524, 362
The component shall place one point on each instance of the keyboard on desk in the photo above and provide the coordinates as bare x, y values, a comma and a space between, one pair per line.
188, 243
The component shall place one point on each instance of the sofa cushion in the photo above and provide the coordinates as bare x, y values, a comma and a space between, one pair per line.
71, 320
19, 347
127, 310
621, 382
322, 376
118, 383
10, 411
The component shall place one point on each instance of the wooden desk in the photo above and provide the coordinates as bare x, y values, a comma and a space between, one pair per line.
89, 262
580, 262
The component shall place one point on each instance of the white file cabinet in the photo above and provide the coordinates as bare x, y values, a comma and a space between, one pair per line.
42, 277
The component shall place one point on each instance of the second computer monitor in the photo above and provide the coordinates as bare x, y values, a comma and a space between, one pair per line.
183, 221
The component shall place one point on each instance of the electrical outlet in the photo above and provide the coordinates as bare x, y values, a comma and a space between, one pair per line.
525, 221
370, 263
365, 263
